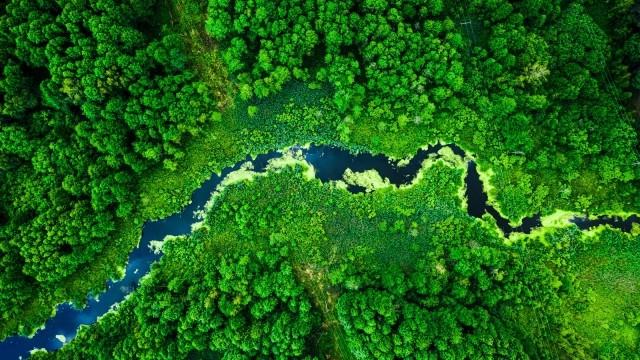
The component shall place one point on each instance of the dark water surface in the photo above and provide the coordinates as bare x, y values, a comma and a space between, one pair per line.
330, 163
618, 222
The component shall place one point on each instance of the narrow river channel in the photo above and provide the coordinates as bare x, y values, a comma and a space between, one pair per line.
330, 164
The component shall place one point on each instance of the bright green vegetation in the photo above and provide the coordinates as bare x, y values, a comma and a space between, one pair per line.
396, 273
113, 112
72, 181
607, 271
93, 96
535, 88
282, 121
93, 141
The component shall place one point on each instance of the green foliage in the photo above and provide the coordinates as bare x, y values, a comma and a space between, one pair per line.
536, 89
90, 101
99, 105
307, 273
605, 305
241, 300
374, 57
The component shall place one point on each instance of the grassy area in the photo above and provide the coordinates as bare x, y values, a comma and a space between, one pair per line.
609, 270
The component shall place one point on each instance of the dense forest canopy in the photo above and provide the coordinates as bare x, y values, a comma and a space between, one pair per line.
319, 273
92, 94
537, 88
113, 111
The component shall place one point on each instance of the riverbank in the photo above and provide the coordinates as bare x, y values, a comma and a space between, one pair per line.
328, 164
380, 228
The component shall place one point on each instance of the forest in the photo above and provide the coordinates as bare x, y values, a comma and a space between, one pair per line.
91, 100
112, 112
536, 88
316, 272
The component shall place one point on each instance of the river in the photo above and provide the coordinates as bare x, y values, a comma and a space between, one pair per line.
330, 164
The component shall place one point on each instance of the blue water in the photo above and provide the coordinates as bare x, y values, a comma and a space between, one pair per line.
68, 319
329, 163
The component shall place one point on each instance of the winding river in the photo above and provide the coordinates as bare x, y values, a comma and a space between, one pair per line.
330, 164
